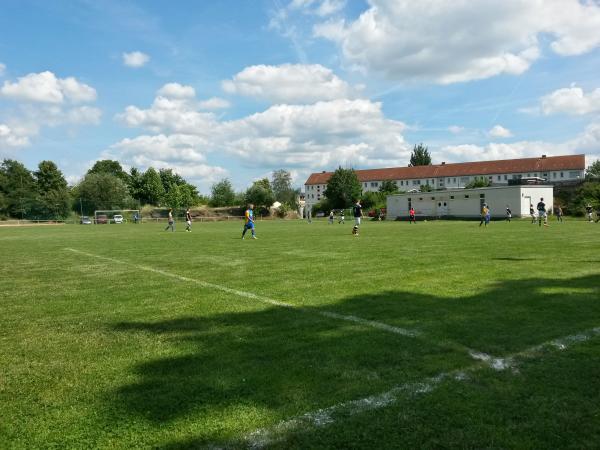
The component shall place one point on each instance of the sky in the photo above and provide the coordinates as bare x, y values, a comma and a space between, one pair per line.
238, 88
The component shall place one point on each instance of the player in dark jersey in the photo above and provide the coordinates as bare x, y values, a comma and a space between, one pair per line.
541, 208
357, 212
188, 221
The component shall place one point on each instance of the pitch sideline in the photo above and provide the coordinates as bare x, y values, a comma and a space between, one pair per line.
325, 416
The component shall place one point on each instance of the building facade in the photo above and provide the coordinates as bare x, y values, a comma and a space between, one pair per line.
554, 169
468, 202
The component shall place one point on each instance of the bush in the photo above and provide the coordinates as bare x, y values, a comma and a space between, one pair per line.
323, 206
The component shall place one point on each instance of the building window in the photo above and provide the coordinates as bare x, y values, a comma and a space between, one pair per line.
454, 180
553, 174
452, 197
467, 196
545, 175
505, 177
464, 179
432, 198
528, 175
365, 184
574, 174
427, 182
490, 178
481, 195
499, 177
562, 174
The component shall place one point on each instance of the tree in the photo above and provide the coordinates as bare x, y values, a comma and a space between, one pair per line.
53, 198
222, 193
260, 194
152, 188
174, 198
593, 171
111, 167
135, 184
478, 183
420, 156
388, 187
373, 200
169, 178
103, 191
282, 188
18, 189
425, 188
343, 188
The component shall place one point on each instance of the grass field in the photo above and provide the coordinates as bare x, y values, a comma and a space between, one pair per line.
440, 334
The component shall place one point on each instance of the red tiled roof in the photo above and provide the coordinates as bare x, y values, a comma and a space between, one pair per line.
523, 165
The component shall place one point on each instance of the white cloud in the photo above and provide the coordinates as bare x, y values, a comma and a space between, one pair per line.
214, 103
135, 59
587, 142
169, 116
11, 139
448, 42
177, 91
2, 69
321, 8
45, 87
44, 100
182, 153
499, 131
455, 129
288, 83
300, 137
572, 101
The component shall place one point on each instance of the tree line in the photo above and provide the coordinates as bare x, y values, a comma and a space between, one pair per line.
44, 194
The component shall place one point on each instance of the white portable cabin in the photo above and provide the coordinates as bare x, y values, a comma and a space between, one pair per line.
468, 202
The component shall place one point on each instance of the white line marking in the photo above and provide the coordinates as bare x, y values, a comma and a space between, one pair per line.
260, 298
322, 417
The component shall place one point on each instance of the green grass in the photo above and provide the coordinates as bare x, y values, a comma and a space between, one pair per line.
98, 354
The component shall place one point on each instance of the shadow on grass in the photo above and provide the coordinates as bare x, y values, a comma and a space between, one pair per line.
238, 371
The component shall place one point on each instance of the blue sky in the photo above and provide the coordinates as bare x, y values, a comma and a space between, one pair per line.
239, 88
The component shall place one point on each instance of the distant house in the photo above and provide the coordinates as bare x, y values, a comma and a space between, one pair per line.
552, 169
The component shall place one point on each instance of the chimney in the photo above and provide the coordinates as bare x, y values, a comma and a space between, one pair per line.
543, 156
443, 163
323, 171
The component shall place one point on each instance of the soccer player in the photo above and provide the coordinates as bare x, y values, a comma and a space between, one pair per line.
559, 214
331, 217
508, 213
171, 221
541, 207
485, 215
342, 217
249, 225
411, 215
188, 221
590, 212
357, 211
532, 213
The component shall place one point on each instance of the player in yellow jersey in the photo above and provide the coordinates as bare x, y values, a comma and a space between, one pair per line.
249, 221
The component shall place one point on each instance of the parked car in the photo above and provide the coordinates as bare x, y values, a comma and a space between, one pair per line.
85, 220
101, 218
118, 218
